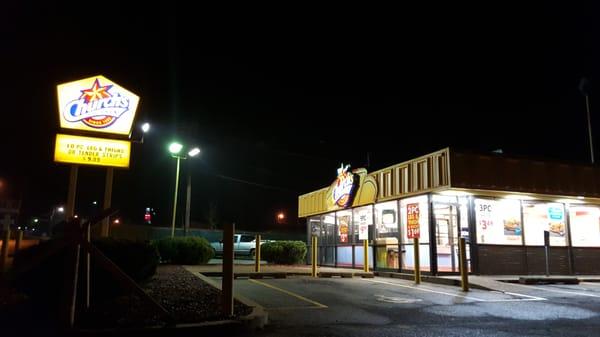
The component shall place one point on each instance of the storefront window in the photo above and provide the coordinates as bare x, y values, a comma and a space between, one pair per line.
498, 222
540, 217
362, 218
327, 229
419, 207
585, 226
387, 234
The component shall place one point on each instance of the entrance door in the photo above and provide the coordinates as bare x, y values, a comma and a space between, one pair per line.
446, 236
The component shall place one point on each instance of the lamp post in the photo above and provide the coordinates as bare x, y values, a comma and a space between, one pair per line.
175, 149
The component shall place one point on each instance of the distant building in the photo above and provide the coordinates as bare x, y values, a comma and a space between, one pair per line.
504, 207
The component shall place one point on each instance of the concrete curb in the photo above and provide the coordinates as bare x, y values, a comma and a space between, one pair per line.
256, 320
283, 274
431, 279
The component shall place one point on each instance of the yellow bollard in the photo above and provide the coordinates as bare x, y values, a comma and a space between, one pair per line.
314, 256
366, 255
464, 272
417, 261
257, 254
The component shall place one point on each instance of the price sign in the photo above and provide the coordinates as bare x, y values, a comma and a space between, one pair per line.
412, 224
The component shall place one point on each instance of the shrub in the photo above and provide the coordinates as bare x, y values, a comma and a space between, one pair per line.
283, 252
187, 250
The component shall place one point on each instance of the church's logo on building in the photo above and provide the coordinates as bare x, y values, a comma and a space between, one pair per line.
344, 187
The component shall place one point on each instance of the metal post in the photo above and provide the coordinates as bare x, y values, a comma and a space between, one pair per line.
589, 120
70, 210
105, 228
5, 243
464, 271
417, 261
257, 254
18, 241
227, 281
366, 255
175, 198
188, 201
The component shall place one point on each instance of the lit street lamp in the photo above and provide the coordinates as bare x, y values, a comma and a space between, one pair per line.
175, 149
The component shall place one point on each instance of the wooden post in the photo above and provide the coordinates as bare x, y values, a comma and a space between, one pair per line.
227, 281
366, 255
464, 271
417, 261
5, 243
69, 297
314, 256
257, 254
18, 241
86, 270
70, 210
105, 227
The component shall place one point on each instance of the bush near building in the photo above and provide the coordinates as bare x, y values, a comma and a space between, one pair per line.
187, 250
283, 252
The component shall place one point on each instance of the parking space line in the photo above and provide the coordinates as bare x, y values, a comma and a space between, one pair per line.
527, 297
555, 291
317, 304
426, 290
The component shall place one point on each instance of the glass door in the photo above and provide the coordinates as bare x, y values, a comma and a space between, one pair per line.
446, 236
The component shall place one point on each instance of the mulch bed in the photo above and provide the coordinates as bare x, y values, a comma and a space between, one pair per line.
185, 296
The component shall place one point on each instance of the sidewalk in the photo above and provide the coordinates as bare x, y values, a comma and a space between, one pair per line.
274, 270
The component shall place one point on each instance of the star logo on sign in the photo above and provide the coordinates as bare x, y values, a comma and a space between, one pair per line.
96, 92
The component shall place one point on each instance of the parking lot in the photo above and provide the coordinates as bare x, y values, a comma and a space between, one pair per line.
303, 306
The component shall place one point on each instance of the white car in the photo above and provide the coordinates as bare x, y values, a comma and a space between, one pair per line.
243, 244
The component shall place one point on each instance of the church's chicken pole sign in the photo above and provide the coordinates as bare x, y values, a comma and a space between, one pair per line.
91, 151
96, 104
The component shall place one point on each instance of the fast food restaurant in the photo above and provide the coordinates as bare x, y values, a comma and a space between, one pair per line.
502, 206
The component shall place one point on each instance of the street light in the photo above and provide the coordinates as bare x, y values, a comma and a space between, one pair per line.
175, 148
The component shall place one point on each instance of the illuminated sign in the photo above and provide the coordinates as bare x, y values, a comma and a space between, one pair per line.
343, 187
91, 151
96, 104
413, 229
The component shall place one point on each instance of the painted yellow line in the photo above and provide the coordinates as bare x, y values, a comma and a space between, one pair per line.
294, 308
288, 293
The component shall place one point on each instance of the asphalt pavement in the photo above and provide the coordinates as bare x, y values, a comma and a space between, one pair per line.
304, 306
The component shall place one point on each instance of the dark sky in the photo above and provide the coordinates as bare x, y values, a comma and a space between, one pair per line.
278, 97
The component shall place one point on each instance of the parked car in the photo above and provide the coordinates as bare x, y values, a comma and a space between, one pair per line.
243, 244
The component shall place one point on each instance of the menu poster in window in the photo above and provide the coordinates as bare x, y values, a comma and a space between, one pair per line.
510, 213
343, 228
412, 217
363, 225
556, 220
585, 226
485, 220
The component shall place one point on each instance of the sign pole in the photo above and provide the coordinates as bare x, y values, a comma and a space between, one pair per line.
227, 281
70, 210
417, 261
105, 231
175, 199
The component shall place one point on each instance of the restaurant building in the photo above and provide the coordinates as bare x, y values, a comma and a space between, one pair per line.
501, 205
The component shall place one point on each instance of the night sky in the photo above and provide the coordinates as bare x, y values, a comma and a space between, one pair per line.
278, 97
